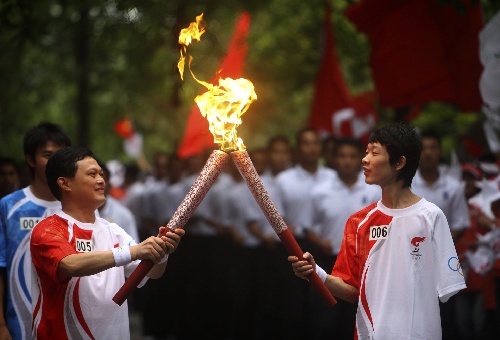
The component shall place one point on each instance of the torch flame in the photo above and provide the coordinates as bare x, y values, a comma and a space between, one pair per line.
223, 104
186, 36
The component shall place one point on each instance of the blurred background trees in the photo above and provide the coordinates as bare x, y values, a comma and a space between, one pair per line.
86, 64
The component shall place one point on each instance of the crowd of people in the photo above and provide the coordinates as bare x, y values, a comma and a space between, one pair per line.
229, 278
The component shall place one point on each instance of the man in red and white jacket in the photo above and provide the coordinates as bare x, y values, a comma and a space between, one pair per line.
80, 261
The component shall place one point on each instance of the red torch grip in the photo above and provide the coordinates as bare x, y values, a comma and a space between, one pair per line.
133, 281
293, 248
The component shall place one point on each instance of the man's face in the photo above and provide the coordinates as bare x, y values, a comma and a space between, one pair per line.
194, 164
348, 160
309, 148
259, 160
376, 166
9, 179
175, 170
88, 185
280, 156
161, 166
42, 155
328, 155
431, 153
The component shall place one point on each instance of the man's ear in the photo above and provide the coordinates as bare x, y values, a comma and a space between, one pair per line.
30, 161
63, 183
401, 163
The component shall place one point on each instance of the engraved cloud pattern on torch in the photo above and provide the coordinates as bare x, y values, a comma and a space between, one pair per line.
199, 189
208, 175
259, 192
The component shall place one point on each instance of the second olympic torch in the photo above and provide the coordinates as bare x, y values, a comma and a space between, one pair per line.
223, 105
247, 170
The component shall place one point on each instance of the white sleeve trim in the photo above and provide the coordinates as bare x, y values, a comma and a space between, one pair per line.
448, 292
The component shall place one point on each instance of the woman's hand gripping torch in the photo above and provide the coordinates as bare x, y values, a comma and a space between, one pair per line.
259, 192
199, 189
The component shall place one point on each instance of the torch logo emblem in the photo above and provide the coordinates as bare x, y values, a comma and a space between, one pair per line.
416, 247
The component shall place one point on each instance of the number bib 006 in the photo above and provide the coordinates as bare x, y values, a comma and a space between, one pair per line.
378, 232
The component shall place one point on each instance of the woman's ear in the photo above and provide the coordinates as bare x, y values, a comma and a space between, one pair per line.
401, 163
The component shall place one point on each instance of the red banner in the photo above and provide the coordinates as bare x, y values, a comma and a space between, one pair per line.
197, 136
334, 110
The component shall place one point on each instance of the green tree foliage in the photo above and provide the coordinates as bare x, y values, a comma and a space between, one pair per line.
86, 64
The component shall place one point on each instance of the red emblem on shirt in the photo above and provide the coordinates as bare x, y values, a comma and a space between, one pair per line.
416, 241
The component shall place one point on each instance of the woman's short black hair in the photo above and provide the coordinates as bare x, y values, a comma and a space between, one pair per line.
400, 139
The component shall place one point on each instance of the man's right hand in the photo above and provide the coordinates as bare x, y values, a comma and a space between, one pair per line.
153, 248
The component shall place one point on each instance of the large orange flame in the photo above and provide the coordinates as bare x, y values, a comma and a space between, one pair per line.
186, 36
223, 104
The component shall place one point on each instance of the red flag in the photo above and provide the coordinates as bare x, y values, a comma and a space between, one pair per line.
422, 51
197, 136
124, 128
334, 110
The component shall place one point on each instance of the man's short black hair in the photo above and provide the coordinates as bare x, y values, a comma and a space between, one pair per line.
429, 133
298, 135
9, 161
277, 139
354, 142
63, 164
39, 135
400, 139
42, 133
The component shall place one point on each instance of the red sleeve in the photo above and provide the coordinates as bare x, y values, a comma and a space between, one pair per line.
347, 263
49, 245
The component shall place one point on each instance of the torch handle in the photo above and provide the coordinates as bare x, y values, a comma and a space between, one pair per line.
293, 248
259, 192
193, 198
139, 273
133, 281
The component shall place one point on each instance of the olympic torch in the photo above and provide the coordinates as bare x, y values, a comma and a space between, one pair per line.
223, 105
199, 189
259, 192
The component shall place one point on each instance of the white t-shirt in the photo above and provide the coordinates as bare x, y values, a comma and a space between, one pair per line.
448, 194
235, 205
333, 205
133, 199
155, 201
210, 207
295, 186
402, 261
77, 307
115, 212
255, 213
